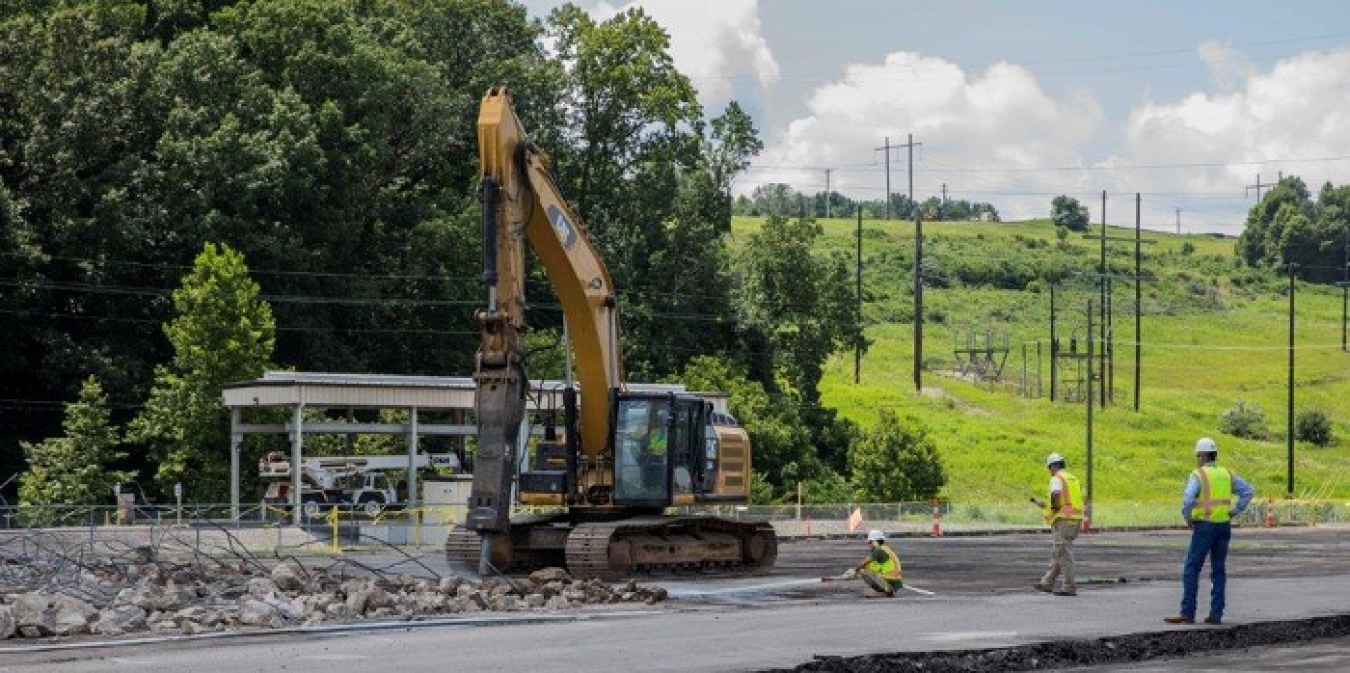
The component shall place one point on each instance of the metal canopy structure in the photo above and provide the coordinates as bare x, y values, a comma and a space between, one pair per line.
298, 390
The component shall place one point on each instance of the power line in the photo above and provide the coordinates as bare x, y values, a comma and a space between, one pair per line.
252, 271
880, 72
1210, 163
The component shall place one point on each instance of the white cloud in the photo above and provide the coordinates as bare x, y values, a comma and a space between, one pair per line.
714, 42
998, 119
1300, 109
1228, 67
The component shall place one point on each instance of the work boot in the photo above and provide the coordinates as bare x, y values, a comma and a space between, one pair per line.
1179, 619
1066, 592
1213, 620
1042, 587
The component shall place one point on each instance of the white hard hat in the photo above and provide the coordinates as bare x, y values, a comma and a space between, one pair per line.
875, 535
1053, 458
1206, 445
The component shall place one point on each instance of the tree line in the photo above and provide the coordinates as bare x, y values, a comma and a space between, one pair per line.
191, 193
782, 200
1289, 226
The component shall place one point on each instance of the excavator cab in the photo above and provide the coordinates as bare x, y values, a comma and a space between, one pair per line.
659, 441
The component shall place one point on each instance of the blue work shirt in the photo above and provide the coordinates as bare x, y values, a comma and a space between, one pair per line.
1241, 489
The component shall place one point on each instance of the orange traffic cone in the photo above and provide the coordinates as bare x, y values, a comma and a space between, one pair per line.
937, 519
1270, 512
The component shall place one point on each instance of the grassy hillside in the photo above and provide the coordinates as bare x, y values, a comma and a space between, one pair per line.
1213, 333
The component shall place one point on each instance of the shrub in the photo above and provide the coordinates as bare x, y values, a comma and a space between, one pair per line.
896, 461
1187, 248
1313, 426
1245, 419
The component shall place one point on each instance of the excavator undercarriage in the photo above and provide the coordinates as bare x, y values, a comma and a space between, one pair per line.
612, 550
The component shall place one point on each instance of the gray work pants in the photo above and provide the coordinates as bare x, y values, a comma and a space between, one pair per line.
1065, 531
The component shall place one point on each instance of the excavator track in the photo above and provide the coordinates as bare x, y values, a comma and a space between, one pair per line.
535, 541
462, 548
616, 549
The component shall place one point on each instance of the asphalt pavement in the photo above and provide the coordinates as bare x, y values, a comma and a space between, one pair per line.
789, 617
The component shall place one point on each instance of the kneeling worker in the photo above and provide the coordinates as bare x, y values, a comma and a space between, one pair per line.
881, 569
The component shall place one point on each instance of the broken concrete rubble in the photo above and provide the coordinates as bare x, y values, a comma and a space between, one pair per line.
111, 597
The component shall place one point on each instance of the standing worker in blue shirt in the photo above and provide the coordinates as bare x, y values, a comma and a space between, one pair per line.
1208, 510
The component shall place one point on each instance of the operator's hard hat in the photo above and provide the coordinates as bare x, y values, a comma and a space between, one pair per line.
1053, 458
1206, 445
875, 535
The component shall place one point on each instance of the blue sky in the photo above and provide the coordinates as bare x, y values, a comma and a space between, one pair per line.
1015, 102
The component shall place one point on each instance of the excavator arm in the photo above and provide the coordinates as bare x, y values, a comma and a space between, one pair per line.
521, 204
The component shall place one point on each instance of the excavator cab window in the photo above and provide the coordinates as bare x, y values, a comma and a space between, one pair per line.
642, 445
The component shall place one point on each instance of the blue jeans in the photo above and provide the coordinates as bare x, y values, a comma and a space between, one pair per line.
1207, 539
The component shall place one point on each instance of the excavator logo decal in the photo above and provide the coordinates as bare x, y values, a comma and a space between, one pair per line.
566, 233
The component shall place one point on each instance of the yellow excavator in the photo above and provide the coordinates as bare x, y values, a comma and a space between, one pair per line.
624, 456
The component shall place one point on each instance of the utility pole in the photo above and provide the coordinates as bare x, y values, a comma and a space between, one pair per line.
857, 348
827, 192
918, 300
1138, 281
1102, 306
1054, 346
887, 149
911, 144
1087, 508
1178, 220
1345, 290
1258, 187
944, 202
1289, 430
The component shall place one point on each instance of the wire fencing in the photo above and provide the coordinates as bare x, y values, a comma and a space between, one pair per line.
337, 529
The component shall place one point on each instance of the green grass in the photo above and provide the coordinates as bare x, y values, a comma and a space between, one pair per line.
1213, 333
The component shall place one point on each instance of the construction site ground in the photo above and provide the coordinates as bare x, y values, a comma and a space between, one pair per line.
1287, 609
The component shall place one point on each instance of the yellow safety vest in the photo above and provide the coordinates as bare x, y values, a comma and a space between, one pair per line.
656, 446
1216, 494
890, 569
1070, 499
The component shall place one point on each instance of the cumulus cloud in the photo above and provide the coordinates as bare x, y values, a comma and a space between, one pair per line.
714, 42
999, 121
1228, 67
1297, 111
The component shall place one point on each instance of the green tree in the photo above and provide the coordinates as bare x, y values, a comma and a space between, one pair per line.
330, 142
782, 454
729, 146
831, 487
1067, 212
650, 179
776, 198
76, 468
802, 303
799, 310
1287, 225
222, 333
896, 462
628, 106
